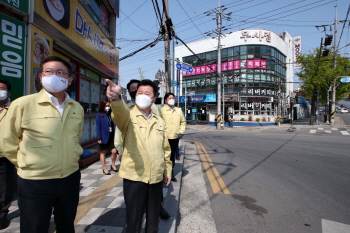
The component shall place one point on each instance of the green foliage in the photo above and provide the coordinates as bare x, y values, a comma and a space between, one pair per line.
257, 119
320, 73
242, 119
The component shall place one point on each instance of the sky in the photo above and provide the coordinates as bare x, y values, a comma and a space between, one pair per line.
138, 26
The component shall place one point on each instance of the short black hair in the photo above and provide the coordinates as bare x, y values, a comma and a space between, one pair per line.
131, 82
54, 58
147, 82
168, 94
8, 85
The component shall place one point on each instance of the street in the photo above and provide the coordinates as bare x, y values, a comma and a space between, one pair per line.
277, 180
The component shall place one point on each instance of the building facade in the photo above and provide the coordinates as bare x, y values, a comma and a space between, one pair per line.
81, 32
256, 76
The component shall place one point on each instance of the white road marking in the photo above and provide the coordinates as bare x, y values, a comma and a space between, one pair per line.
320, 128
345, 132
334, 128
312, 130
328, 131
334, 227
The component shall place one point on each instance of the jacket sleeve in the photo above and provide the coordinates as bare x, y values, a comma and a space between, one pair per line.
182, 122
167, 151
118, 143
11, 131
120, 114
98, 126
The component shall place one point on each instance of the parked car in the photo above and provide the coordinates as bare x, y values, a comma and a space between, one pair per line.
342, 110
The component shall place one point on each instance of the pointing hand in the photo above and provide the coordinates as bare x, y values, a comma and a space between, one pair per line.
113, 91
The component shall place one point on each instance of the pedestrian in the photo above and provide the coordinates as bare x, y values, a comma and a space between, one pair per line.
176, 125
7, 169
118, 142
105, 130
132, 88
41, 134
146, 156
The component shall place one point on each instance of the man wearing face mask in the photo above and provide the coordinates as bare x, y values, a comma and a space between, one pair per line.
41, 135
132, 88
6, 167
146, 156
176, 125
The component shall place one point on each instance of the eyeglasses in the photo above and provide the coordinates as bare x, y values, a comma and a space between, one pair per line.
59, 73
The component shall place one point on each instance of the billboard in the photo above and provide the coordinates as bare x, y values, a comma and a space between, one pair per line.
12, 55
69, 23
297, 51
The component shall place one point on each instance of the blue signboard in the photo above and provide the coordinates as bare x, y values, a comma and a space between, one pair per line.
199, 98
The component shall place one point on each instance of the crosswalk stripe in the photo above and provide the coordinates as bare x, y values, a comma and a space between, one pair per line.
312, 130
328, 131
320, 128
334, 128
345, 132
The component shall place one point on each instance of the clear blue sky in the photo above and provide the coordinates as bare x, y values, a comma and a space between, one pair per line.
138, 25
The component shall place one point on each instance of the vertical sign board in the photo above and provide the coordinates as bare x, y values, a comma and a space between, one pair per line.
297, 51
12, 55
21, 5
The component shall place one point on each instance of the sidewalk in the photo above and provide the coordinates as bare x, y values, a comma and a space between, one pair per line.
102, 208
300, 123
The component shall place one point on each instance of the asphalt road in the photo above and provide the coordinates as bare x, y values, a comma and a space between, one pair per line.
289, 182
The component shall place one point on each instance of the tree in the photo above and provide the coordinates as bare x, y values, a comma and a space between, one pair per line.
141, 72
319, 73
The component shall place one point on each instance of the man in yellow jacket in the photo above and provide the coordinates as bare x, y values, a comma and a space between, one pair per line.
41, 135
6, 167
132, 88
146, 156
176, 125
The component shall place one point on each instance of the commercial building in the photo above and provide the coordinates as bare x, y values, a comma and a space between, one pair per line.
80, 31
256, 74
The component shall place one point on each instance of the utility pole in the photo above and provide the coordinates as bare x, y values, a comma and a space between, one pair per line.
335, 65
219, 16
167, 29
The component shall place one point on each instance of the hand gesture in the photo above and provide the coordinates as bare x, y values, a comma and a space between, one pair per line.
113, 91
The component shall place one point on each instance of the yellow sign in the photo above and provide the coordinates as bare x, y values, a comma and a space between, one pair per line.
41, 48
69, 23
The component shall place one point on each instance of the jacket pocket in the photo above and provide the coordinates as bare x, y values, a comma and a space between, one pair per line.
42, 156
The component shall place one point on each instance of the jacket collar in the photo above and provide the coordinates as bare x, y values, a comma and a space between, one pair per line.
44, 98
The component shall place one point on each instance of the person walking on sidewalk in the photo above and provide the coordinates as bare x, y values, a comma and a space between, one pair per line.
176, 125
40, 135
7, 169
146, 156
105, 129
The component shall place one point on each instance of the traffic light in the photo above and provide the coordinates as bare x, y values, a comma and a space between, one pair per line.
328, 40
325, 52
189, 99
157, 85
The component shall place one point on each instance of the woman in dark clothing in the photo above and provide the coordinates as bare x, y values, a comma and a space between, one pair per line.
105, 129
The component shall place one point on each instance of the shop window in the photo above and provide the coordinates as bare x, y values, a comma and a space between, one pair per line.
71, 90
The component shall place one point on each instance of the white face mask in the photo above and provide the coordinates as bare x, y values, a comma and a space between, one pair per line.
54, 83
171, 102
143, 101
3, 95
107, 109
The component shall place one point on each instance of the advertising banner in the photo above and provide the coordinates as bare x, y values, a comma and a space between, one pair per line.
21, 5
199, 98
297, 51
41, 48
12, 55
69, 23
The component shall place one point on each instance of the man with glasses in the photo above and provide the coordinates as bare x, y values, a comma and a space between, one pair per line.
41, 135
